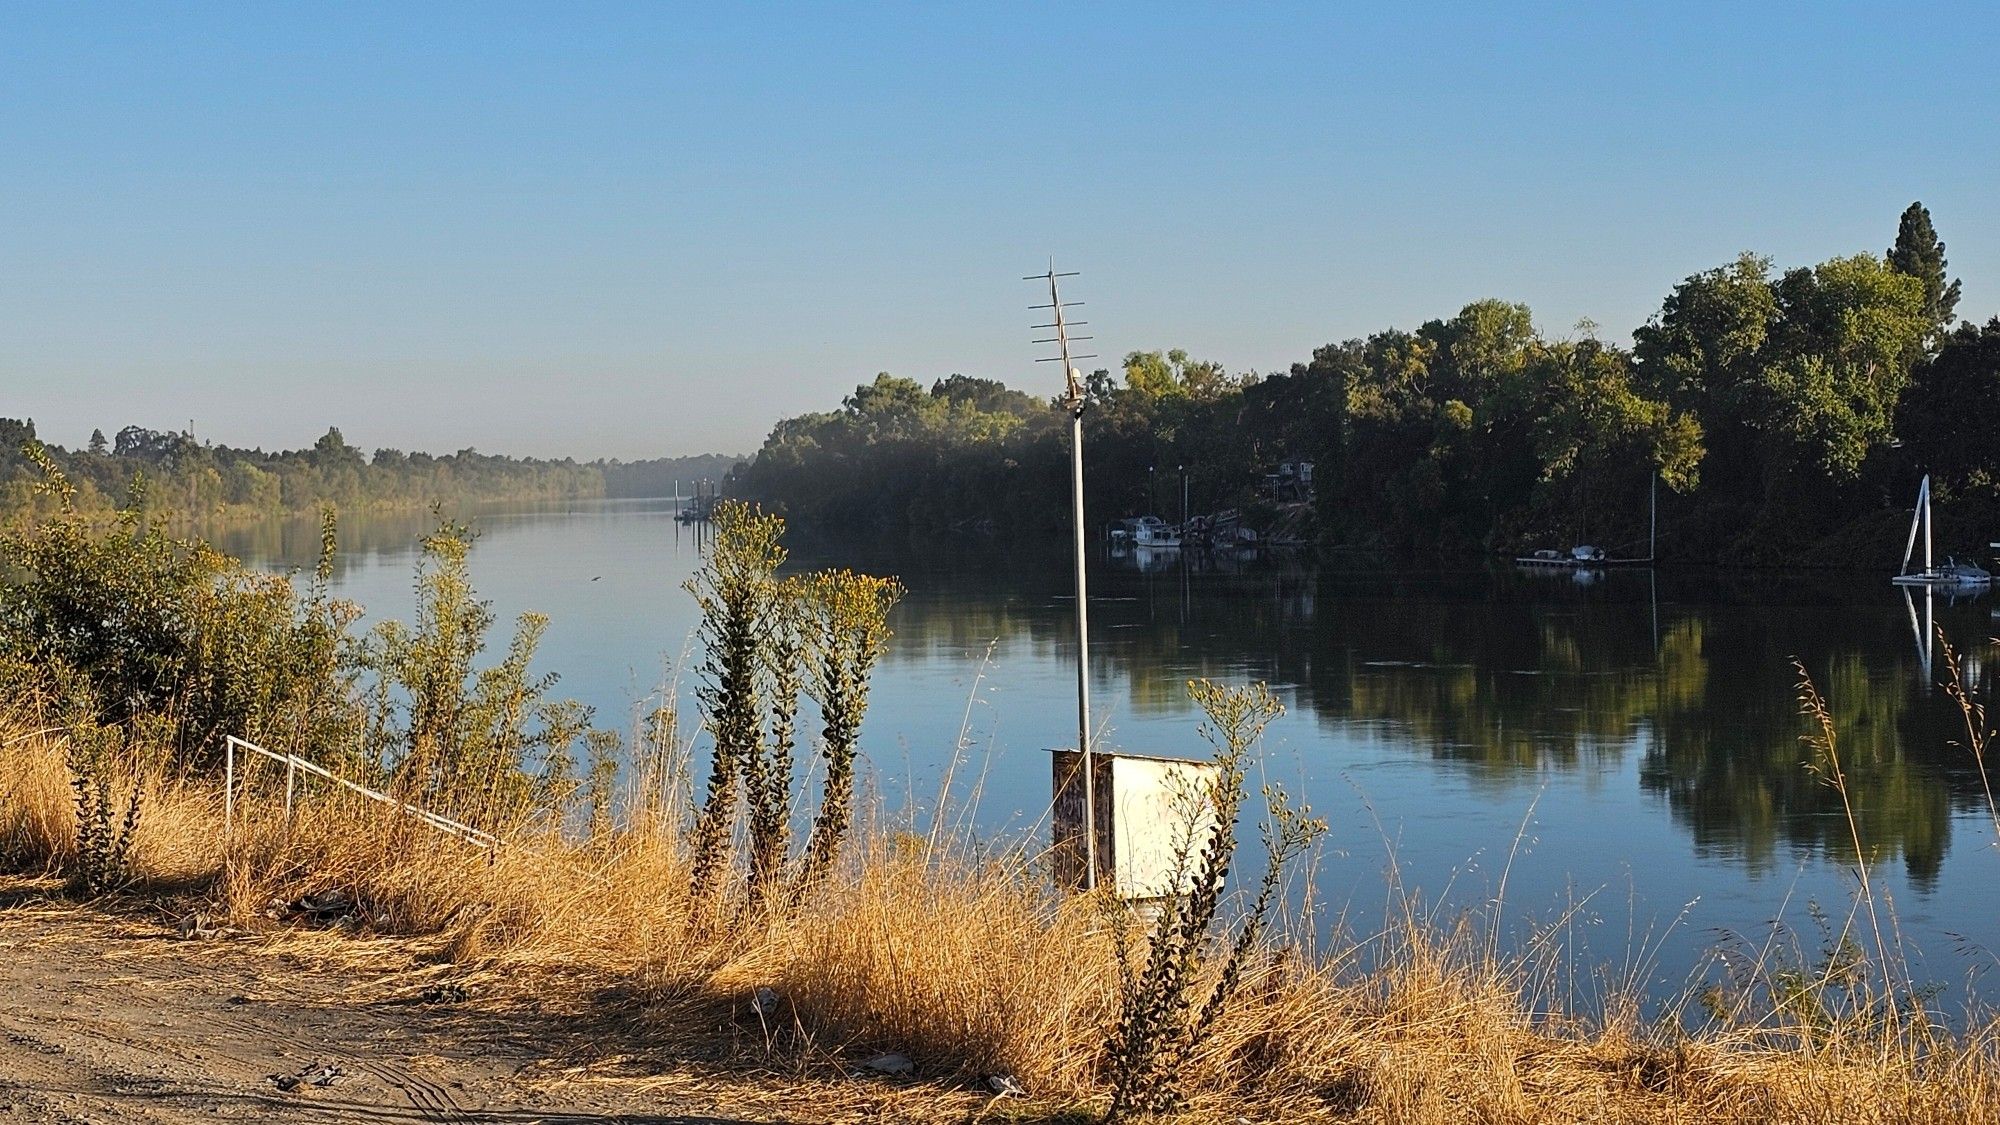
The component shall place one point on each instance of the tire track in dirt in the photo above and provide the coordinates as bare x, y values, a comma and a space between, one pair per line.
430, 1099
428, 1096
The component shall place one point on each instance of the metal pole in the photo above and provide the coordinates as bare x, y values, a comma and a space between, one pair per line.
1074, 401
229, 792
1082, 646
291, 778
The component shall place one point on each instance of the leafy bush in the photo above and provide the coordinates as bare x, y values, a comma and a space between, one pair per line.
486, 745
767, 639
845, 618
128, 627
1159, 1023
149, 624
103, 836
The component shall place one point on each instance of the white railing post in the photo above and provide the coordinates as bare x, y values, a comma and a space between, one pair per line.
229, 792
291, 781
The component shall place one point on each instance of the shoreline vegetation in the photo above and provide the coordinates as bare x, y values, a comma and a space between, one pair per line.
189, 483
689, 871
1786, 414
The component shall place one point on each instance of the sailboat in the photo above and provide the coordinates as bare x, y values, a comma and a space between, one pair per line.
1951, 574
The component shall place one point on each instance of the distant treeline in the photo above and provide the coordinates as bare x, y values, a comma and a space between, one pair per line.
663, 476
1787, 415
182, 476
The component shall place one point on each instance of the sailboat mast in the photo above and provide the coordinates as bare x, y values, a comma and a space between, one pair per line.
1910, 544
1927, 523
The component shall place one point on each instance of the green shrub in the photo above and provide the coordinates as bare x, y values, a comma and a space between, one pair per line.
767, 640
1159, 1022
103, 845
486, 745
160, 626
128, 627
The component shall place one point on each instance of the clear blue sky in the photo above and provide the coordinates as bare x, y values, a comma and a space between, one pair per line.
636, 230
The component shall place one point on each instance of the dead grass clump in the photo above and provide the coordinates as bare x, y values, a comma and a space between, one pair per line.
961, 964
174, 843
37, 823
612, 906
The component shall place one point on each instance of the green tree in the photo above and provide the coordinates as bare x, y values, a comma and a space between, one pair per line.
1849, 331
1950, 416
1705, 345
1485, 343
1590, 427
1173, 374
1815, 359
1919, 253
989, 395
98, 445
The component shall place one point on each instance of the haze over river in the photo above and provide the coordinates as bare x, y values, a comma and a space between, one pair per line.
1643, 727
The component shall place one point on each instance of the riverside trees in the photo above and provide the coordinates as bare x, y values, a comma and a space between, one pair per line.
1779, 404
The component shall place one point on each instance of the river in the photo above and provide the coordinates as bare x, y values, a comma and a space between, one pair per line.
1623, 753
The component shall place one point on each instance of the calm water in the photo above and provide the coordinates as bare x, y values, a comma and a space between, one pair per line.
1632, 743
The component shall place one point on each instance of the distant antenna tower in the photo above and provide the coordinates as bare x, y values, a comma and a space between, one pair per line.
1073, 402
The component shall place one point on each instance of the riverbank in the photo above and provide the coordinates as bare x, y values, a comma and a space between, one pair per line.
962, 962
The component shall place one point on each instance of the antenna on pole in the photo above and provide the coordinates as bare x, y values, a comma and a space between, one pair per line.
1073, 402
1073, 397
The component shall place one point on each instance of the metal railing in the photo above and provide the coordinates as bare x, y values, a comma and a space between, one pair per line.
294, 764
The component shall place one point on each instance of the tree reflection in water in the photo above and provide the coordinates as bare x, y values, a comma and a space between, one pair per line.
1503, 674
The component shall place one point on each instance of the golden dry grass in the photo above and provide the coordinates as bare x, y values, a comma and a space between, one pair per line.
970, 966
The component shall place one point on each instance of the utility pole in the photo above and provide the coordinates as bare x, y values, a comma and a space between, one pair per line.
1073, 402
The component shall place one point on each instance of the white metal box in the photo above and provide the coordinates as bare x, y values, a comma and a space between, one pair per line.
1149, 811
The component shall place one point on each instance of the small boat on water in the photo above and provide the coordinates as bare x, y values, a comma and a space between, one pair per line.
1948, 575
1578, 557
1146, 531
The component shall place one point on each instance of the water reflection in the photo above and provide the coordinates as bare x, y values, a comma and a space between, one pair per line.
1502, 676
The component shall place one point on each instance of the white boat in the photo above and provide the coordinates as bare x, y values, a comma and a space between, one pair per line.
1147, 531
1577, 558
1948, 575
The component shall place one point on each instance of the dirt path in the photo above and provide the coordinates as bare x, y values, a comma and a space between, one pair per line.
109, 1020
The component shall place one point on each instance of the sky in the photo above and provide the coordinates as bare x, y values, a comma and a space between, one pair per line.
654, 229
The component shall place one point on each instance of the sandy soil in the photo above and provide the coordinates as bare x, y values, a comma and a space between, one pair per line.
110, 1019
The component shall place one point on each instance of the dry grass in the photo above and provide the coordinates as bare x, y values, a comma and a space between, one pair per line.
971, 967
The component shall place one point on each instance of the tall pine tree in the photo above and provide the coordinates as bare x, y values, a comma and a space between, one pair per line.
1919, 254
